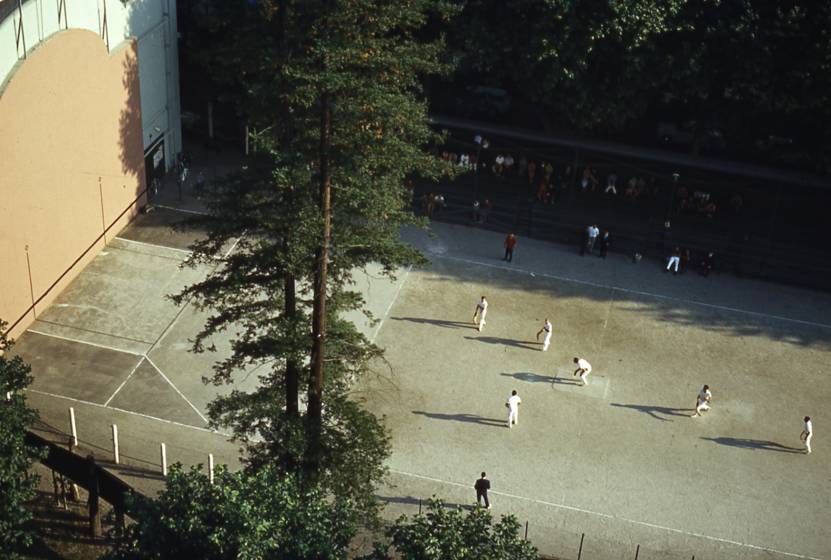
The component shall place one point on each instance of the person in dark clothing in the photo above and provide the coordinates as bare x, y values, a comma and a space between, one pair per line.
482, 486
605, 242
510, 243
707, 264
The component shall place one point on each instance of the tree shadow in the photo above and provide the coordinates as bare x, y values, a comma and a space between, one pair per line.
470, 418
504, 342
654, 411
529, 377
438, 322
754, 444
412, 500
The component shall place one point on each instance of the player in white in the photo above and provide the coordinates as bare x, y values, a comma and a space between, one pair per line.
807, 433
584, 368
702, 402
546, 328
481, 310
513, 408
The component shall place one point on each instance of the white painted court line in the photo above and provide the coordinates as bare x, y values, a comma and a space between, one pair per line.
637, 292
175, 388
615, 517
130, 412
395, 297
123, 383
95, 344
183, 210
153, 245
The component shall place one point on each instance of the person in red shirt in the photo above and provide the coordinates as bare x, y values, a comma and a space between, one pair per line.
510, 243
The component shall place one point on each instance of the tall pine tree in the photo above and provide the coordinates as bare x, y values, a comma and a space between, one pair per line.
335, 91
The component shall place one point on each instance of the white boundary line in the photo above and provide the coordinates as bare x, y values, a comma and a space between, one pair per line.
183, 210
615, 517
395, 297
637, 292
153, 245
123, 383
78, 341
175, 388
131, 412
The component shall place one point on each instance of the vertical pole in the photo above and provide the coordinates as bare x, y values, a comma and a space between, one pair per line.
246, 139
92, 502
580, 552
115, 444
419, 506
526, 530
164, 460
211, 467
210, 120
74, 441
637, 552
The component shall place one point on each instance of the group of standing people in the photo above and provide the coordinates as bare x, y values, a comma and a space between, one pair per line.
593, 237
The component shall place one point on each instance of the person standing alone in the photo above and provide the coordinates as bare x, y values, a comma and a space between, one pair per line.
513, 408
546, 328
482, 486
510, 243
807, 432
481, 310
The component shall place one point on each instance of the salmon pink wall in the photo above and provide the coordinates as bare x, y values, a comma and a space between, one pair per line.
71, 165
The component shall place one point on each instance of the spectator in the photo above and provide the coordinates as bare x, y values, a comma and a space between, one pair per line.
674, 260
707, 264
611, 183
548, 170
591, 237
498, 164
532, 172
685, 260
605, 243
510, 244
589, 180
508, 167
486, 210
476, 213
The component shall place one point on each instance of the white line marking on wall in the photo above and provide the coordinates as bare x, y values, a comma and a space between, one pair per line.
175, 388
395, 297
615, 517
130, 412
123, 383
640, 293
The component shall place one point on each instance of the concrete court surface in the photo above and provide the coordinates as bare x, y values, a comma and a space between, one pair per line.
617, 460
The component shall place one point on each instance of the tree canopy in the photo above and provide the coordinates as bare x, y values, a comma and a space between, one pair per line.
332, 90
240, 516
18, 484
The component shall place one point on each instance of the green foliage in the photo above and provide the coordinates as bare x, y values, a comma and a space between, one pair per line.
751, 68
241, 516
17, 484
283, 57
453, 534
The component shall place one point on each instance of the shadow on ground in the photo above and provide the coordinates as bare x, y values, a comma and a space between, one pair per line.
754, 444
656, 412
470, 418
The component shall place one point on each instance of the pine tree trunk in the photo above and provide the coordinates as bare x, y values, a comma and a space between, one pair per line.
292, 367
314, 412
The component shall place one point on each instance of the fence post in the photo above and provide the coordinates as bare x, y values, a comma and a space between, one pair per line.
115, 444
211, 467
74, 441
92, 502
419, 506
580, 552
526, 530
164, 460
637, 552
